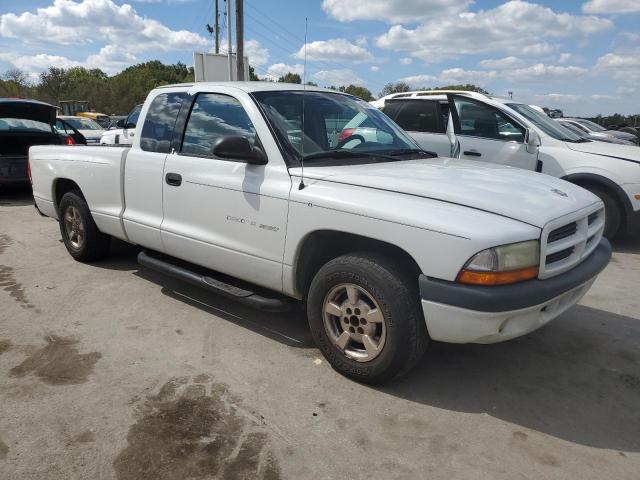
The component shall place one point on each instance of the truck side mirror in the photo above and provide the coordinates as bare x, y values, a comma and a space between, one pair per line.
120, 123
239, 148
532, 140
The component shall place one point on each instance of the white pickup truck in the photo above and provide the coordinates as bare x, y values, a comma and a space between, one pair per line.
387, 246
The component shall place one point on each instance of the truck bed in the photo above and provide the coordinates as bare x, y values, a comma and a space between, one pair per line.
98, 171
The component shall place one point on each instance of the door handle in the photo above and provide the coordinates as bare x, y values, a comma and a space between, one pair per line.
472, 153
173, 179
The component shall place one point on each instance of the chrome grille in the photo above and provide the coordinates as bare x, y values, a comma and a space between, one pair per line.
567, 241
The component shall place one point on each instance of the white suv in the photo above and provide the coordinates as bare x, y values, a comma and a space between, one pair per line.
504, 131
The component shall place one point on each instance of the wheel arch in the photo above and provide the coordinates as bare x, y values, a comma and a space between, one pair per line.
320, 246
586, 179
62, 186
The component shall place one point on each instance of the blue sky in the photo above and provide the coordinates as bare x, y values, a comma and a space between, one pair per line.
579, 55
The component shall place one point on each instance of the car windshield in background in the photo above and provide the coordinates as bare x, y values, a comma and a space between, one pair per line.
336, 126
23, 125
594, 127
546, 124
83, 124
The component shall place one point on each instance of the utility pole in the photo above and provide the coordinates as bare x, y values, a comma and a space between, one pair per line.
229, 52
239, 40
217, 26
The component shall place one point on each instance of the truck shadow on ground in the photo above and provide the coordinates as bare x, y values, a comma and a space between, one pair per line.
577, 379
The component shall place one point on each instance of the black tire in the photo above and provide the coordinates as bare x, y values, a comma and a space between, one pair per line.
396, 294
95, 244
612, 211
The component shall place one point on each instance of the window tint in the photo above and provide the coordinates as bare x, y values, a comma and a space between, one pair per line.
479, 120
415, 115
212, 117
157, 130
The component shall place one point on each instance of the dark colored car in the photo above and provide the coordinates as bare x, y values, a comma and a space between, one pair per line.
24, 123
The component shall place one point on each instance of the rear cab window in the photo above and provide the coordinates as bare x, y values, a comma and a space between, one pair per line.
157, 131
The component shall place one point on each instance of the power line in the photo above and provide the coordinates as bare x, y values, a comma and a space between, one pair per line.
287, 50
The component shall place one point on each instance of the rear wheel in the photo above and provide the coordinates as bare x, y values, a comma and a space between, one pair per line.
612, 210
79, 232
364, 316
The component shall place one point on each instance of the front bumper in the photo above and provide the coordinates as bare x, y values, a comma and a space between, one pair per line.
458, 313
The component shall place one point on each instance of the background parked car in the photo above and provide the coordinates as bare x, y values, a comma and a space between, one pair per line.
595, 128
504, 131
24, 123
581, 130
125, 130
92, 131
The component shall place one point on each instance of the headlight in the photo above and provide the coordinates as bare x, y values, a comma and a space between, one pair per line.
502, 265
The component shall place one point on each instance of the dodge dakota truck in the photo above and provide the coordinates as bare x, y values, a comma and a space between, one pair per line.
247, 190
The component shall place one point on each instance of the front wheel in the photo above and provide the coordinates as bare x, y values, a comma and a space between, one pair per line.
79, 232
364, 315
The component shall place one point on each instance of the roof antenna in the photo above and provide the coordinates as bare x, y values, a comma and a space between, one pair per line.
304, 92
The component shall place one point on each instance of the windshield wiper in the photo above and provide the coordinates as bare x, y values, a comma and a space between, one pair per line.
409, 151
346, 154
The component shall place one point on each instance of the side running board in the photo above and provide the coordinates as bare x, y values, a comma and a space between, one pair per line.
238, 294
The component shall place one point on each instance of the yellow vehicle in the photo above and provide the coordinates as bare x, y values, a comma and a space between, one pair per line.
80, 108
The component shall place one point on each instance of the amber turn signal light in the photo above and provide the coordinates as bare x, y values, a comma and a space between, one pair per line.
471, 277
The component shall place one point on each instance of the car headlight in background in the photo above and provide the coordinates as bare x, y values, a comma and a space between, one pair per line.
502, 265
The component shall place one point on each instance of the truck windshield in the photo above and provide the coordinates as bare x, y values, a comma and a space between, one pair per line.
332, 123
546, 124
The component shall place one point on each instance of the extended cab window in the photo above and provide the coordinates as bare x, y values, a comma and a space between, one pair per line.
484, 121
157, 131
212, 117
416, 115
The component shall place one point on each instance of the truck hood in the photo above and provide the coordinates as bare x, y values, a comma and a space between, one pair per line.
630, 153
526, 196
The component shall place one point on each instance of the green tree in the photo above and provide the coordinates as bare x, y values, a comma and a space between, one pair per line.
15, 83
54, 84
397, 87
290, 78
252, 74
356, 91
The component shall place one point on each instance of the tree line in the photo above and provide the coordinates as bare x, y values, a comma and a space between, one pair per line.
117, 94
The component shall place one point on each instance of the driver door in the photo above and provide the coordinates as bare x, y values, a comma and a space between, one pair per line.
489, 135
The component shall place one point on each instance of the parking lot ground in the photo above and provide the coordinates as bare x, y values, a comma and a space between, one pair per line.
109, 371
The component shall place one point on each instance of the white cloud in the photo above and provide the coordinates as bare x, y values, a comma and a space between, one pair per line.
542, 72
558, 98
336, 49
109, 59
338, 77
375, 68
602, 97
68, 22
565, 57
514, 28
620, 65
611, 6
392, 11
257, 54
419, 81
279, 69
406, 60
451, 76
502, 63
